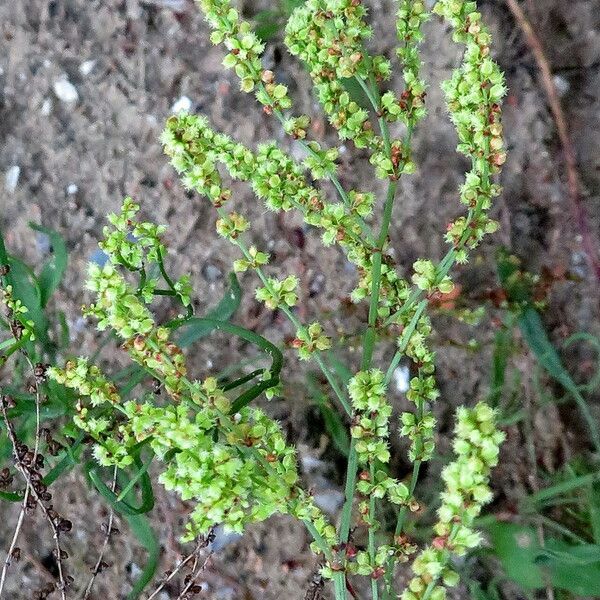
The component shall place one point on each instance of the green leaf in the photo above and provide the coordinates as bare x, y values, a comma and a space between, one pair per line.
145, 535
222, 312
534, 334
334, 424
53, 271
204, 324
26, 289
574, 568
516, 547
11, 496
117, 502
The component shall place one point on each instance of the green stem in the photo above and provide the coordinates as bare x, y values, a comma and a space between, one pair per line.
371, 542
339, 585
368, 347
297, 324
404, 339
332, 177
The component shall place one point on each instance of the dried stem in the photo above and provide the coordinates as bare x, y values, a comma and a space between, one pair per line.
577, 207
21, 518
193, 555
98, 566
24, 470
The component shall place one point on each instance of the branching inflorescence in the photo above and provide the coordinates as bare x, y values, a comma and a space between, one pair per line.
231, 459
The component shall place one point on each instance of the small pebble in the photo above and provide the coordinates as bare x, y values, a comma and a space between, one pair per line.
401, 378
316, 285
330, 501
184, 104
211, 272
562, 85
65, 91
11, 179
86, 67
223, 539
72, 189
46, 107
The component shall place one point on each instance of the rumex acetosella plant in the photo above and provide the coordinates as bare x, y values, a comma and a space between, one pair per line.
232, 459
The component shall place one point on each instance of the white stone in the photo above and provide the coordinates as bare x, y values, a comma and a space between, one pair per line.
401, 378
184, 104
562, 85
65, 91
11, 179
86, 67
72, 189
46, 107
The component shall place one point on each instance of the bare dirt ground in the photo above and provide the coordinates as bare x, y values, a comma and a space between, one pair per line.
129, 62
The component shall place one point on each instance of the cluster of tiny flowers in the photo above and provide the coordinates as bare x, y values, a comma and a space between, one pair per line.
129, 242
21, 326
135, 245
225, 477
195, 149
419, 426
237, 468
255, 260
473, 95
88, 381
466, 481
277, 293
245, 50
328, 36
117, 306
409, 21
370, 422
311, 339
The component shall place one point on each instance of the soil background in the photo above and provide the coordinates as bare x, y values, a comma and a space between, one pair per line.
130, 62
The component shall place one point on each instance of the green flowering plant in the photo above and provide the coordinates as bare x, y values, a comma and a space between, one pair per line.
231, 458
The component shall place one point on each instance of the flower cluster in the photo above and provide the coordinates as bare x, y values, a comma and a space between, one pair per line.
466, 491
473, 95
409, 21
311, 339
130, 243
237, 468
277, 293
195, 149
370, 423
255, 260
245, 50
244, 476
328, 36
425, 277
114, 442
118, 306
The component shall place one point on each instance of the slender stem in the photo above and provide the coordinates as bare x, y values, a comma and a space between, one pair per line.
369, 345
349, 492
332, 177
339, 585
404, 339
371, 542
297, 324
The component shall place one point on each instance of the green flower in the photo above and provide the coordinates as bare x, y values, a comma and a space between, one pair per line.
279, 293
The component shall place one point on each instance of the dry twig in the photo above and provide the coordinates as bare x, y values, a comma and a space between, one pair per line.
577, 207
195, 556
100, 564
